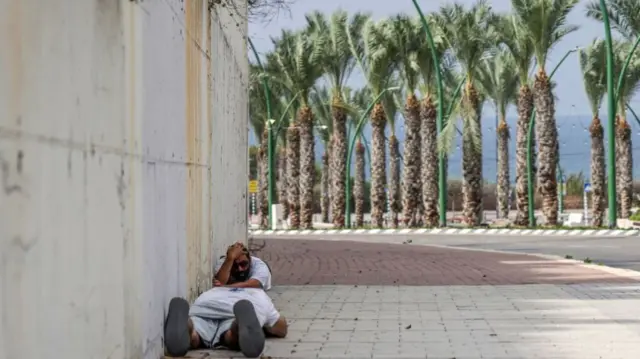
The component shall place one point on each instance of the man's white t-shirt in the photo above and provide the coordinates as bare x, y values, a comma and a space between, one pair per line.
259, 271
218, 302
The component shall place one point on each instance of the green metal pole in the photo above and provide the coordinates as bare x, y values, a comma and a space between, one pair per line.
624, 68
352, 143
561, 195
442, 182
611, 107
532, 121
270, 144
284, 113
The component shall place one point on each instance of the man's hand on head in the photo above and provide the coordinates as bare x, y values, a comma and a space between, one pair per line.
235, 250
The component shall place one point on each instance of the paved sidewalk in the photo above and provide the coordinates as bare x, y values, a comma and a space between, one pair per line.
373, 312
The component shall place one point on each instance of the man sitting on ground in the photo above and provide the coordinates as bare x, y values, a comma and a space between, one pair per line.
239, 269
235, 318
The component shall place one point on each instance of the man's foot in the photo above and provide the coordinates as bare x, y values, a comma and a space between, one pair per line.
250, 334
176, 328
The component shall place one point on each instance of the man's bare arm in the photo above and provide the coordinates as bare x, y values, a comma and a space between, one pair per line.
225, 271
251, 283
280, 329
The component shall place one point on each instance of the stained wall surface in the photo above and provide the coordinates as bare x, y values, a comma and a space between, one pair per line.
123, 152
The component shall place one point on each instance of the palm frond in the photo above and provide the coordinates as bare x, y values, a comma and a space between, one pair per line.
631, 79
337, 60
592, 60
402, 37
516, 38
624, 16
545, 22
469, 33
320, 101
498, 80
298, 62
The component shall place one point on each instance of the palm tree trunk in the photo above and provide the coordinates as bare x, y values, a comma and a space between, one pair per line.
472, 160
411, 191
329, 152
263, 183
338, 163
307, 167
624, 164
378, 166
503, 169
525, 108
394, 180
597, 172
548, 148
429, 161
293, 178
282, 183
324, 189
358, 186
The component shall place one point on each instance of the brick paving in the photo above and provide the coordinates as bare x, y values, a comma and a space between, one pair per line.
318, 262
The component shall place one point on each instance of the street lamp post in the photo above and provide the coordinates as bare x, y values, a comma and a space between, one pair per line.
363, 118
270, 144
532, 121
442, 182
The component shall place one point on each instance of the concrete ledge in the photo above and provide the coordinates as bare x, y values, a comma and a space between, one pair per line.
456, 231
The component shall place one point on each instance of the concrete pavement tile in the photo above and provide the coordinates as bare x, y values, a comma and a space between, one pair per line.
360, 348
321, 324
344, 324
386, 348
366, 324
387, 336
415, 336
364, 336
340, 336
334, 350
315, 336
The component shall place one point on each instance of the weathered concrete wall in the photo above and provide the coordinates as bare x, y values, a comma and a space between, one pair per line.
122, 168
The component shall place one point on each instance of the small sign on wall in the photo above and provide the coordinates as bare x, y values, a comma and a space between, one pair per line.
253, 186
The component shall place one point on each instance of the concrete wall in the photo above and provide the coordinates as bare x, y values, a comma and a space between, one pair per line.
123, 134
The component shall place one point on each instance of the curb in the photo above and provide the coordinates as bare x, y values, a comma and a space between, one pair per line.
441, 231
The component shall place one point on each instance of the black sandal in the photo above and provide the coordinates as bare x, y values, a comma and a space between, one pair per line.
177, 340
250, 335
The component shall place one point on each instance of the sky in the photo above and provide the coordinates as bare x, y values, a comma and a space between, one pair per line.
571, 96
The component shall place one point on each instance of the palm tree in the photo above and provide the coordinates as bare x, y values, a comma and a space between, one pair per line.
258, 120
624, 16
428, 128
592, 65
322, 110
337, 62
498, 80
357, 102
403, 35
470, 34
517, 40
358, 186
377, 66
624, 150
299, 58
546, 24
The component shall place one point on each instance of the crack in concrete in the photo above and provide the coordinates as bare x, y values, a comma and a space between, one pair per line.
4, 176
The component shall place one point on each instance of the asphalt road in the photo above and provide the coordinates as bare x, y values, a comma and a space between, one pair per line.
614, 251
